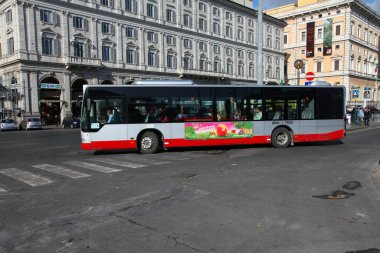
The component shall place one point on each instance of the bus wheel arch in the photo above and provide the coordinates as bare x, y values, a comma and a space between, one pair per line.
149, 141
282, 137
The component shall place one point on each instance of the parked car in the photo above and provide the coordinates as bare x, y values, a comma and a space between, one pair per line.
7, 124
31, 123
71, 122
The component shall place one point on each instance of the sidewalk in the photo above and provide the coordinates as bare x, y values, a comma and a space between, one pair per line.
372, 125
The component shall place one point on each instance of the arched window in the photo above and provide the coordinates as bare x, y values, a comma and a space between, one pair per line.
229, 67
278, 73
241, 68
251, 69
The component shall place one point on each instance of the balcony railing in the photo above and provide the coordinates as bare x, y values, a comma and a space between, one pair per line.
80, 61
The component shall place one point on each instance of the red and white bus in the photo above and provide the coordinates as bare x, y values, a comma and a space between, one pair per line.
152, 115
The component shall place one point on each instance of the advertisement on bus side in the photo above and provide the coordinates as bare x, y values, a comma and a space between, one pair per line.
218, 130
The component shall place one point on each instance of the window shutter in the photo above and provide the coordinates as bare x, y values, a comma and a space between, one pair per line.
174, 41
55, 18
85, 24
41, 15
157, 59
55, 49
134, 6
174, 17
174, 62
155, 12
113, 54
135, 33
111, 3
190, 21
74, 22
112, 29
136, 57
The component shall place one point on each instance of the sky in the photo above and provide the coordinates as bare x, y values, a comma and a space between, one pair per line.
267, 4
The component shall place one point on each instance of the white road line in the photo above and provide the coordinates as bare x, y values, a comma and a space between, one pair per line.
61, 171
143, 160
2, 190
173, 158
26, 177
119, 163
92, 166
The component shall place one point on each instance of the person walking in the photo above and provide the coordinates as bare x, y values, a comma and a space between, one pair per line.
354, 116
367, 116
361, 116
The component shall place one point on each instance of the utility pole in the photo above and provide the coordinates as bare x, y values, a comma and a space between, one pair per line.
260, 24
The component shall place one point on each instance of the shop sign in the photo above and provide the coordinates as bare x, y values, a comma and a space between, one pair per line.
355, 93
327, 36
367, 93
50, 86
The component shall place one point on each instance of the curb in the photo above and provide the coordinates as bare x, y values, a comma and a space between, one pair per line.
360, 129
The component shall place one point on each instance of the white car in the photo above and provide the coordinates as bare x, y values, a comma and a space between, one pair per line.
7, 124
31, 123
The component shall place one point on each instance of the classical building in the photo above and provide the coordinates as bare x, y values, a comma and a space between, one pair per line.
338, 40
50, 49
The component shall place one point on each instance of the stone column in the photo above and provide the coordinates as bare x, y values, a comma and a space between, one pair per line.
65, 34
35, 93
66, 95
120, 46
32, 31
19, 15
24, 91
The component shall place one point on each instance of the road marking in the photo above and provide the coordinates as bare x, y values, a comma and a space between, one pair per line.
118, 163
2, 190
61, 171
92, 166
143, 160
175, 158
26, 177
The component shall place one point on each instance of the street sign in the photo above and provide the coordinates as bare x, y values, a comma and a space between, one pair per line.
308, 83
50, 86
298, 64
310, 76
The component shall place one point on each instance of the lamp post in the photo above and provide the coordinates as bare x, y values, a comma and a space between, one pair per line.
260, 68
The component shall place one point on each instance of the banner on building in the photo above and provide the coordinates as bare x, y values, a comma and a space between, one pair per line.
367, 93
355, 93
327, 36
310, 39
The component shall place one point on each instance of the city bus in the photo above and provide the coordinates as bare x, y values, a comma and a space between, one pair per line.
156, 115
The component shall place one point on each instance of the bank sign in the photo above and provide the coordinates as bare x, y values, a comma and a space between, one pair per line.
50, 86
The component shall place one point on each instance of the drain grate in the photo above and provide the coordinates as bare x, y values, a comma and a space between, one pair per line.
365, 251
335, 195
353, 185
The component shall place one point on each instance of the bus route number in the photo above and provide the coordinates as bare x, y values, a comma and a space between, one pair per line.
286, 122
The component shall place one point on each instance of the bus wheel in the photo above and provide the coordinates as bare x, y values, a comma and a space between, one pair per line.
281, 137
148, 143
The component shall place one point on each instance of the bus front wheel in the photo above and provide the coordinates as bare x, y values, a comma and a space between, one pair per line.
281, 137
148, 143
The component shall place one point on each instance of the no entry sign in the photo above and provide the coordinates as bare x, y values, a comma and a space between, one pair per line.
310, 76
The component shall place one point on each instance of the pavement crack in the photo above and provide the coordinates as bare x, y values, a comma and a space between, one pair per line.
141, 204
169, 237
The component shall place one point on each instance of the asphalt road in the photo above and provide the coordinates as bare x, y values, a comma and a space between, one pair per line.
56, 198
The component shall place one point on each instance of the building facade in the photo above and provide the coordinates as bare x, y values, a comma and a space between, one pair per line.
338, 40
50, 49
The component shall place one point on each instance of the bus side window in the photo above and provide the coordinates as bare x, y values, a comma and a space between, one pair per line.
307, 108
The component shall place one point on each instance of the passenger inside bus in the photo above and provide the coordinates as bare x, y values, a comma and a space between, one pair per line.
278, 113
257, 114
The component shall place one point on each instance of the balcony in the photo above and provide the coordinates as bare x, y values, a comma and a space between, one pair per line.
74, 61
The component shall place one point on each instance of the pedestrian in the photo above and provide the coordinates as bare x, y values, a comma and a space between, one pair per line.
348, 117
354, 116
56, 121
367, 116
361, 116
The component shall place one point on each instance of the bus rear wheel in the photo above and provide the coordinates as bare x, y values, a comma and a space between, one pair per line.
281, 137
148, 143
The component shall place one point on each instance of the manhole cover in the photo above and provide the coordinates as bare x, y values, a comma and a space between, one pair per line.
187, 175
335, 195
353, 185
365, 251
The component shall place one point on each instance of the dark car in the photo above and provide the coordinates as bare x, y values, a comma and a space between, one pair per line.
70, 122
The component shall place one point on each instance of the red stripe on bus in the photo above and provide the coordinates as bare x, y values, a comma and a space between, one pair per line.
170, 143
108, 145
